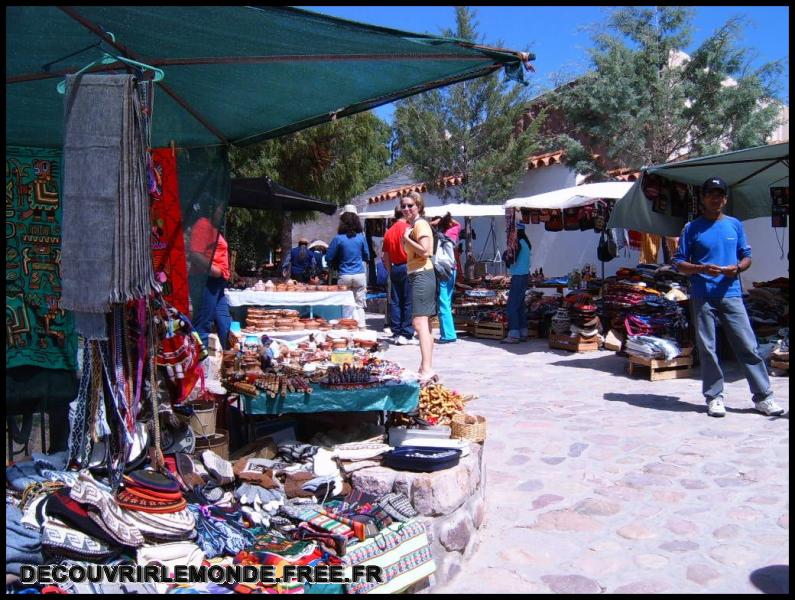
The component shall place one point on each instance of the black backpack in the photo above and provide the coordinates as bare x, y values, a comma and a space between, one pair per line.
607, 249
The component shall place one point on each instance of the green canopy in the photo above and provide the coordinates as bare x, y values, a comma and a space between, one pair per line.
233, 74
750, 173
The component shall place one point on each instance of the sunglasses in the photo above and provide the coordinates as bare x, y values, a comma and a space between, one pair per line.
407, 206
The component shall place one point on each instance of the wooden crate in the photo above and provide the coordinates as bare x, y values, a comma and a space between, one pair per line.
659, 369
779, 367
490, 331
566, 342
463, 325
533, 328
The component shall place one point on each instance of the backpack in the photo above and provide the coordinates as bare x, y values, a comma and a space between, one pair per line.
443, 258
607, 249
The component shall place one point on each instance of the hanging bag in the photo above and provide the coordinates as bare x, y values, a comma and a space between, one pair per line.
607, 249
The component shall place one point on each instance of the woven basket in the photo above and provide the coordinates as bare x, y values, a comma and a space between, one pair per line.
468, 427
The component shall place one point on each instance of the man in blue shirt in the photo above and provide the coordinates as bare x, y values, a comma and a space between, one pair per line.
713, 251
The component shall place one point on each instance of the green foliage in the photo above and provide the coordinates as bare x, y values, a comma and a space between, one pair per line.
334, 161
646, 108
468, 128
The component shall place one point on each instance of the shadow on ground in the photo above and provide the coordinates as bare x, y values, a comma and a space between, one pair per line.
772, 580
669, 403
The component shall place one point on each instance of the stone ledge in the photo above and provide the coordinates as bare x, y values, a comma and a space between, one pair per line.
451, 504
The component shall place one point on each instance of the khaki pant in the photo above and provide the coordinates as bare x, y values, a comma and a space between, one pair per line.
358, 285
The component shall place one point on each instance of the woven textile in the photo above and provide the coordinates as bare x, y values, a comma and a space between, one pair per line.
39, 332
168, 242
105, 200
403, 552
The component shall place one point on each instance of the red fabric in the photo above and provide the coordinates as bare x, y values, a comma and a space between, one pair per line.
635, 238
393, 243
202, 240
168, 243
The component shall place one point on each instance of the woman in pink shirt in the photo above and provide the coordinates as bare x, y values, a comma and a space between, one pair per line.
452, 229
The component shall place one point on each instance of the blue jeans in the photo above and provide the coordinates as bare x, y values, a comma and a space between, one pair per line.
734, 320
400, 302
517, 307
446, 325
214, 309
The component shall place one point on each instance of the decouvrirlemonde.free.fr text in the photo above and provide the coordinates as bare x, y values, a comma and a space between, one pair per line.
222, 574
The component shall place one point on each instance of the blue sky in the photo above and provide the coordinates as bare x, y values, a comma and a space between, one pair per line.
557, 35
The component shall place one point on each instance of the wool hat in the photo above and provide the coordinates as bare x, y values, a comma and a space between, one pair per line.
61, 505
152, 480
714, 183
179, 439
58, 539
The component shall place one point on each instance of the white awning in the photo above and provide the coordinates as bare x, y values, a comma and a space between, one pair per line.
579, 195
456, 210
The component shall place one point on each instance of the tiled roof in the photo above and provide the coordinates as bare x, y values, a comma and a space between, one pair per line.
624, 174
545, 160
387, 190
414, 187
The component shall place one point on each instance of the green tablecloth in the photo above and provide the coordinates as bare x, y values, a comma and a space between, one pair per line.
394, 398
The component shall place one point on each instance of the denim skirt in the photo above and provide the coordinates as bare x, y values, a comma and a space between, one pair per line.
423, 293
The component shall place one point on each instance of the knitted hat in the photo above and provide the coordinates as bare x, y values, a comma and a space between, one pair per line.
58, 539
151, 480
180, 439
134, 501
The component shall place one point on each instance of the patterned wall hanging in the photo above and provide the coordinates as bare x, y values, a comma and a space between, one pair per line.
38, 332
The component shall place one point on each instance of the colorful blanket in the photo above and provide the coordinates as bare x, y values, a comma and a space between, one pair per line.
168, 242
38, 332
403, 552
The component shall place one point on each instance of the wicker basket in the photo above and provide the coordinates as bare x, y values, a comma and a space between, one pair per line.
468, 427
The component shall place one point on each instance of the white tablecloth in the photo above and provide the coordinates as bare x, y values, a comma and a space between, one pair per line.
252, 298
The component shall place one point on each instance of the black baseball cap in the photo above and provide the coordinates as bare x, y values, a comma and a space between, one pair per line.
714, 183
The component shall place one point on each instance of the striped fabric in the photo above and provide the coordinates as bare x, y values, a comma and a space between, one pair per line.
327, 520
403, 552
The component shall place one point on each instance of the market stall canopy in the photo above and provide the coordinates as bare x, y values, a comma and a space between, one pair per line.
233, 74
456, 210
264, 193
571, 197
750, 173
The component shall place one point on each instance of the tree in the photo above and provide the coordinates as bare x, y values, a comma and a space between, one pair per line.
333, 161
645, 102
467, 129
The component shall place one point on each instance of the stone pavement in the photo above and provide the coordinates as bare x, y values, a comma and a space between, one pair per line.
596, 482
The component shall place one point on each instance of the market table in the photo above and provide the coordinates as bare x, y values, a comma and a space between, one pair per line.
402, 397
252, 298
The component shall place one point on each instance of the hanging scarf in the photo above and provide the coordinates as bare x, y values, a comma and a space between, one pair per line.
512, 248
105, 200
168, 242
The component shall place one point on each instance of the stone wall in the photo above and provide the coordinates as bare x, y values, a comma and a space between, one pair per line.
451, 504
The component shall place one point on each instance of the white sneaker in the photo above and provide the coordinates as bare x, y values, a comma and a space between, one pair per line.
769, 407
412, 341
715, 408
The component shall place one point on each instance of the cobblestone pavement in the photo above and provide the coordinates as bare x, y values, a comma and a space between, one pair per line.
597, 482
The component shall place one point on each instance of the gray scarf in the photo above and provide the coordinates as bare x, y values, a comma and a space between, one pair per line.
106, 248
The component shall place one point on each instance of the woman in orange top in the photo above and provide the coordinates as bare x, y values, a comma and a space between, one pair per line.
418, 243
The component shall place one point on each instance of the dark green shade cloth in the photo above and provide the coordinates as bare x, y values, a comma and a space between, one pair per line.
233, 74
